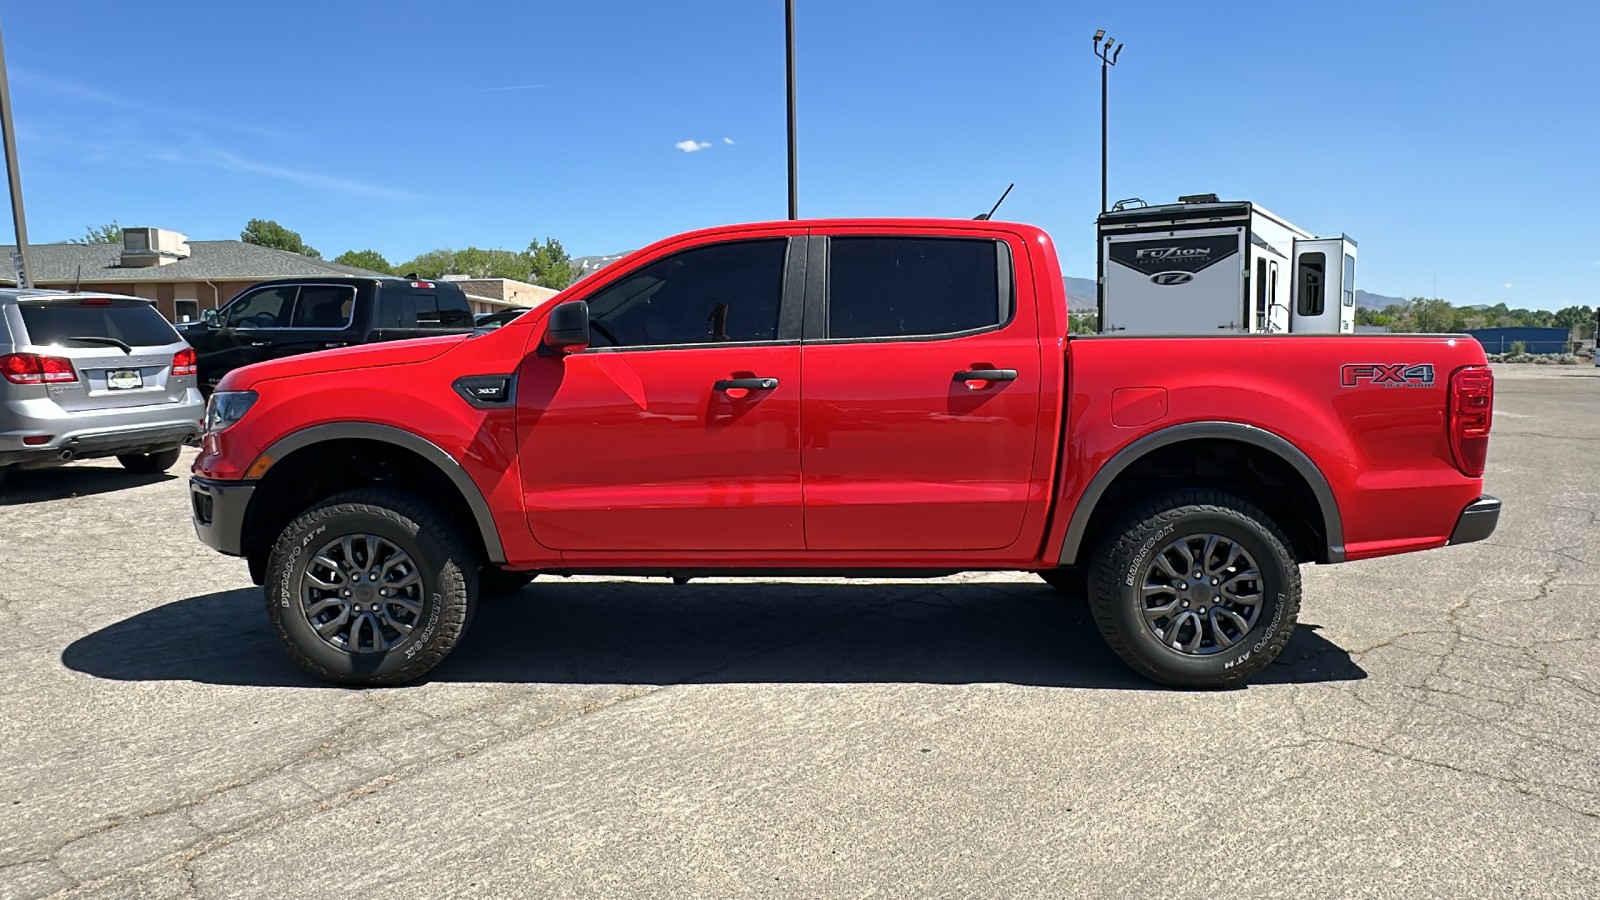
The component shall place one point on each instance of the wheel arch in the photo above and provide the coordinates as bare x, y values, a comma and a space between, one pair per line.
1327, 545
437, 467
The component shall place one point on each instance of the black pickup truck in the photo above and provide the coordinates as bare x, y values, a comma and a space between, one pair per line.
289, 316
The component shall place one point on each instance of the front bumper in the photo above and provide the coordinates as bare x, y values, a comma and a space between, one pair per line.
218, 509
1477, 521
97, 444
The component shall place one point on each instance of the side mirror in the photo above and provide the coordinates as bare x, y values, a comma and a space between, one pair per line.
209, 317
567, 329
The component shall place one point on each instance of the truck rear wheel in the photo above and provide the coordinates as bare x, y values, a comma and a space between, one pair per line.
370, 587
1196, 589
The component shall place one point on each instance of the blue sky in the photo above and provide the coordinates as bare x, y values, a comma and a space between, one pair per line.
1455, 141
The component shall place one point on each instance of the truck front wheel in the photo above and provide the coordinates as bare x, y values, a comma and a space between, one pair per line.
370, 587
1196, 589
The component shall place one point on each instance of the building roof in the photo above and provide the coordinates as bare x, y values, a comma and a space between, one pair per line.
208, 261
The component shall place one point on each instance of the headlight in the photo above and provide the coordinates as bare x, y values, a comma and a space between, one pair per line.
226, 408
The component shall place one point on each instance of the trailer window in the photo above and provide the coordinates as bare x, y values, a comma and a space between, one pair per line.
1313, 272
1349, 285
1261, 298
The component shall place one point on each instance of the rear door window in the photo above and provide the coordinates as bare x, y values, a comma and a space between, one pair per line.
893, 287
324, 306
132, 322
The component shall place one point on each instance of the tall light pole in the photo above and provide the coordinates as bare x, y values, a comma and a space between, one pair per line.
788, 34
1108, 53
15, 178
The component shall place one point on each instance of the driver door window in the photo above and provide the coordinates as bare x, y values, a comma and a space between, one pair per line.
267, 308
721, 293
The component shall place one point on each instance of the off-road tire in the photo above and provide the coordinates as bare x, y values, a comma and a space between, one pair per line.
149, 463
494, 581
445, 564
1127, 556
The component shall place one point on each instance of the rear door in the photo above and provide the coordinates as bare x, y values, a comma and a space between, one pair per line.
922, 383
121, 350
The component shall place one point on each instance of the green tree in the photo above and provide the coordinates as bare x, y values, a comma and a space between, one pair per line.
110, 233
473, 262
371, 260
267, 233
1579, 317
549, 264
1432, 315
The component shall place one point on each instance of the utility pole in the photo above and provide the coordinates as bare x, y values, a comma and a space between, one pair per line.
788, 33
1108, 53
13, 175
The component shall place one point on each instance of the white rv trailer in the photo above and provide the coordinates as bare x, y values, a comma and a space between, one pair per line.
1202, 266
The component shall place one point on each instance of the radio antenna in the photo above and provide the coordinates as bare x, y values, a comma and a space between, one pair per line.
991, 212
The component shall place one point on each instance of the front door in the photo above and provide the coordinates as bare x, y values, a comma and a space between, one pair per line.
921, 404
678, 429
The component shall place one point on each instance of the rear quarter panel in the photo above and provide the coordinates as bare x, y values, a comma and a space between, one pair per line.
1384, 449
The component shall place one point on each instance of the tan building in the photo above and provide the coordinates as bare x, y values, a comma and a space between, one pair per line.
494, 294
183, 277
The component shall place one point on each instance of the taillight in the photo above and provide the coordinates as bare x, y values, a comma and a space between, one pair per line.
184, 362
1471, 413
31, 368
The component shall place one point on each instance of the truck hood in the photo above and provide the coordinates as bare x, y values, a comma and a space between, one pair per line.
367, 356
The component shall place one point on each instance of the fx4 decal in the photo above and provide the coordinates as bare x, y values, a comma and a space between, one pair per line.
1386, 375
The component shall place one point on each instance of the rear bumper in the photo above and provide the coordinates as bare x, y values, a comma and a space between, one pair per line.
92, 443
1477, 521
218, 508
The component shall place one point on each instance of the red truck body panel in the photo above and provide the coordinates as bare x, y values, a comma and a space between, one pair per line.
868, 454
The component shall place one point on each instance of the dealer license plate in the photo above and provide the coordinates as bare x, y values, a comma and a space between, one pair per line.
124, 380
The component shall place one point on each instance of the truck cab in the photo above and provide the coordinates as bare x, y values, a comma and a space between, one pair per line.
289, 316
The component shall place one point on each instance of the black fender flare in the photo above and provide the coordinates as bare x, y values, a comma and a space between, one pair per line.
448, 465
1072, 543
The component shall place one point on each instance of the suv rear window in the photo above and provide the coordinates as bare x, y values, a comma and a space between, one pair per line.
132, 322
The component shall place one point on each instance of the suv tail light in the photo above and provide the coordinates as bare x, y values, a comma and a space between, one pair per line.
1471, 413
184, 362
31, 368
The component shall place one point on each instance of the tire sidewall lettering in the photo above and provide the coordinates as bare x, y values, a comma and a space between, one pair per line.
1141, 558
436, 602
292, 573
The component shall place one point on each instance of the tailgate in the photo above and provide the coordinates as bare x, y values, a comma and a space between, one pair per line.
121, 351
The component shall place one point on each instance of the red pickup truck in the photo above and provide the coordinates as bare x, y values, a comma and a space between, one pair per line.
878, 397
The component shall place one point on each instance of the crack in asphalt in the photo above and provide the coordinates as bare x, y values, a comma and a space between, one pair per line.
329, 748
1429, 689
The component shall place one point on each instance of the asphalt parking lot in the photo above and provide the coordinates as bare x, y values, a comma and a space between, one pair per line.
1433, 728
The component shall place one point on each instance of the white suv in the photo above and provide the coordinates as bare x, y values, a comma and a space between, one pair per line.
92, 375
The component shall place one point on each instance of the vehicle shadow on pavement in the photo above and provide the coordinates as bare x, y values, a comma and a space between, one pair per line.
59, 483
660, 633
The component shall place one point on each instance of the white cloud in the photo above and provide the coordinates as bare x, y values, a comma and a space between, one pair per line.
692, 146
729, 141
1508, 285
1597, 262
